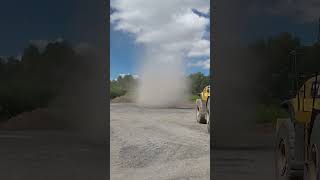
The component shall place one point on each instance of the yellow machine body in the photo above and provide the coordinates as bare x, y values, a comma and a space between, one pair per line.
205, 94
304, 103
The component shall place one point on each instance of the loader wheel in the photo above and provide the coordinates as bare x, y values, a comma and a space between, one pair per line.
313, 164
208, 115
200, 116
284, 152
312, 172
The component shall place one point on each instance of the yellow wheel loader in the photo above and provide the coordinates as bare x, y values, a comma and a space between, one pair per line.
203, 107
297, 148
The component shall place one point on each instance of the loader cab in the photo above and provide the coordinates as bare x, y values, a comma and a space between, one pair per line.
205, 94
297, 146
303, 109
307, 100
315, 91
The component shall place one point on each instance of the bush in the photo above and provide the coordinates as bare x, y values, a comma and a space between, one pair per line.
198, 82
116, 91
193, 98
122, 85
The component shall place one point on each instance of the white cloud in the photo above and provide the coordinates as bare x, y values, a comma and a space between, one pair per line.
200, 48
41, 44
169, 26
6, 59
123, 75
205, 64
135, 76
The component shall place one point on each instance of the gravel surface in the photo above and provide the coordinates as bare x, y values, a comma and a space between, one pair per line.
251, 158
157, 143
50, 155
243, 164
146, 143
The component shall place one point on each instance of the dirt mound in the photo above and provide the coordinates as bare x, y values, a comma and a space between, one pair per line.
127, 98
36, 119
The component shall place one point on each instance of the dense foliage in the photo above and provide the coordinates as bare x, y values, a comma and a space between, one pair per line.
276, 61
35, 79
39, 76
127, 83
122, 85
197, 82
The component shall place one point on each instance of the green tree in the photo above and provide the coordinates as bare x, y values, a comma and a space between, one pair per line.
122, 85
127, 82
198, 82
275, 65
39, 77
31, 58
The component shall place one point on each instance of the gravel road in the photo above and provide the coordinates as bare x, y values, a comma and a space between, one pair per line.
146, 143
244, 156
50, 155
243, 164
163, 143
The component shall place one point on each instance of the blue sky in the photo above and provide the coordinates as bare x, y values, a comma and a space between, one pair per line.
270, 18
125, 53
168, 28
24, 21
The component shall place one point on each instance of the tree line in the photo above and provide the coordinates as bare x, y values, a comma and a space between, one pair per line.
126, 83
40, 76
122, 85
277, 70
37, 78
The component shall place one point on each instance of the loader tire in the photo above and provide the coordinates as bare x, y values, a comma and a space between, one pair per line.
285, 167
208, 116
313, 165
200, 114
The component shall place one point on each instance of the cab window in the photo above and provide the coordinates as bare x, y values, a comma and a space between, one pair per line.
302, 91
315, 91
